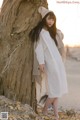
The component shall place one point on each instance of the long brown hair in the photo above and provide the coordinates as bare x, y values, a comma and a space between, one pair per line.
34, 33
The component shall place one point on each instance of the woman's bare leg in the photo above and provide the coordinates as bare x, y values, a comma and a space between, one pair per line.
48, 102
55, 106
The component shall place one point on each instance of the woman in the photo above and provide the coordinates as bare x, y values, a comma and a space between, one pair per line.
49, 58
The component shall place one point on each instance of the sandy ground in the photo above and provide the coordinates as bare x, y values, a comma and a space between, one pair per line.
72, 99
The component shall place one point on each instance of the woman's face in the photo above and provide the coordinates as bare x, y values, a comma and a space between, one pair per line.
49, 21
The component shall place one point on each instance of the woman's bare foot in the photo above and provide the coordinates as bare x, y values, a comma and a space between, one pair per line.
55, 106
56, 117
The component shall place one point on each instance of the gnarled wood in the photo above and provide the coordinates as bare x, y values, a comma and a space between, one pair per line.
17, 18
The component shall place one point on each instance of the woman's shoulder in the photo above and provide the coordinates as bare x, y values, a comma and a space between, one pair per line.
44, 32
59, 34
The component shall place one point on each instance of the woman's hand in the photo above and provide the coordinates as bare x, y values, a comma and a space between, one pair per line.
42, 67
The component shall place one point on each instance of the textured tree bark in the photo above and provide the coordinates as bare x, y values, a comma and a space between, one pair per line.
17, 18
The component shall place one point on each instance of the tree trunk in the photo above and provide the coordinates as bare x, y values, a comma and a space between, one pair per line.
17, 18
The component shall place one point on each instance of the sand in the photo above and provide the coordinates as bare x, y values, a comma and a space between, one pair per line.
72, 99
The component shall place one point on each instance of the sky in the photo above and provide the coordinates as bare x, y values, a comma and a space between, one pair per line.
1, 2
68, 19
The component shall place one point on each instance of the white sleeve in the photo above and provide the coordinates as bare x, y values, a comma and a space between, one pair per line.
39, 52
